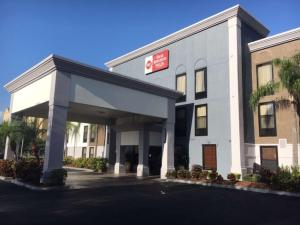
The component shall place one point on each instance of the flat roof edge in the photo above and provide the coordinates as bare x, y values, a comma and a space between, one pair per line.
59, 63
213, 20
274, 40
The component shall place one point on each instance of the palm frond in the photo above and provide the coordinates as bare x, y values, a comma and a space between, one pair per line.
268, 89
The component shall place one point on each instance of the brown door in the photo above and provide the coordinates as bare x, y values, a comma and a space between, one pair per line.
209, 157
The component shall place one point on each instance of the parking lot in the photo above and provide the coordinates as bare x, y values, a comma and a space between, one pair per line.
128, 200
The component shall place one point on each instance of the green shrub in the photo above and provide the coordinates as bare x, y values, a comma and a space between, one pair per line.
295, 170
219, 179
212, 175
252, 178
171, 174
196, 168
196, 172
183, 174
286, 179
29, 170
68, 161
97, 164
237, 176
7, 168
204, 174
266, 174
80, 162
231, 177
55, 177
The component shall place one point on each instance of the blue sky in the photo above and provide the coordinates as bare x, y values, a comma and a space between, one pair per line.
94, 32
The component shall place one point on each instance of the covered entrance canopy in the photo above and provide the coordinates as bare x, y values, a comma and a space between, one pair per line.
61, 89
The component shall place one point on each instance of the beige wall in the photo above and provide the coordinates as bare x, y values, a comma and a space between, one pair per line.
6, 115
285, 119
101, 135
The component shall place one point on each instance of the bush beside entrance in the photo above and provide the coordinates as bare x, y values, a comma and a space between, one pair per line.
30, 171
95, 164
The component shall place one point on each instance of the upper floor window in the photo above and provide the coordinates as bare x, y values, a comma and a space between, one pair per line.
201, 120
93, 133
85, 133
264, 74
267, 119
181, 86
200, 83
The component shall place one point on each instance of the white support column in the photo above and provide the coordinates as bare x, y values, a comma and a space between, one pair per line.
107, 141
57, 118
168, 141
236, 97
143, 167
119, 166
55, 138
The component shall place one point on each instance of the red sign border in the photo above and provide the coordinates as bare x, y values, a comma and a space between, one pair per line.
163, 68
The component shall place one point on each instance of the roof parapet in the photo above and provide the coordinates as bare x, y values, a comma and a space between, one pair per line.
211, 21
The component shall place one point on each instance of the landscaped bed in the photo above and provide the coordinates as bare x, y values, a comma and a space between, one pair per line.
95, 164
29, 171
284, 179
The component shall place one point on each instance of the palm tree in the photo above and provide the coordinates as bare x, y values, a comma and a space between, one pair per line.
33, 132
19, 129
73, 129
289, 74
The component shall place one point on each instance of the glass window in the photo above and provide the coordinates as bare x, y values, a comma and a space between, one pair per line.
268, 155
267, 121
181, 86
93, 132
85, 133
264, 74
83, 155
92, 152
201, 120
200, 84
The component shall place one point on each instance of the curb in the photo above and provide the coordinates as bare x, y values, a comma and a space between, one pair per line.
6, 178
79, 169
239, 188
35, 188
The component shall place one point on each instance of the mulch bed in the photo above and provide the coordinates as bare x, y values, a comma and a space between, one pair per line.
252, 184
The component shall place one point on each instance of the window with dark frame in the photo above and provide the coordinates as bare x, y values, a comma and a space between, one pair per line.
92, 152
201, 83
93, 132
181, 86
201, 120
267, 119
264, 73
85, 133
180, 122
83, 154
209, 157
269, 157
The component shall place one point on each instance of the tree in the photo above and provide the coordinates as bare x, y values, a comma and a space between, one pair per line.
34, 132
17, 130
73, 130
289, 75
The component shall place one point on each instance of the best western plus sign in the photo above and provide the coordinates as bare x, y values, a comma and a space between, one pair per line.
156, 62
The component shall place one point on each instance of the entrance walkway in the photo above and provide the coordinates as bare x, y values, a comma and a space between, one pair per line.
81, 179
